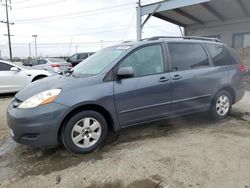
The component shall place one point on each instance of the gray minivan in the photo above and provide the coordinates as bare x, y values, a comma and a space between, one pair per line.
127, 84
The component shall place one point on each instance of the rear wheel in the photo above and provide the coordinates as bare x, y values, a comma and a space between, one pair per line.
221, 105
85, 132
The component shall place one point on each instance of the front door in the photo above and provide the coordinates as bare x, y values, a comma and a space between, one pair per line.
146, 96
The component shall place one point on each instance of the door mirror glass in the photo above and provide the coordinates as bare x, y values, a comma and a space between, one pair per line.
125, 72
15, 69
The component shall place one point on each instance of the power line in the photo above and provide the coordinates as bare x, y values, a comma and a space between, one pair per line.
22, 1
81, 34
75, 43
76, 14
39, 5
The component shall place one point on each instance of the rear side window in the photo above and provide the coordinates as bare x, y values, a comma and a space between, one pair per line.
220, 54
4, 67
42, 61
186, 56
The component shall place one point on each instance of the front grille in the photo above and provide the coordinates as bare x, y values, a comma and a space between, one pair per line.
16, 102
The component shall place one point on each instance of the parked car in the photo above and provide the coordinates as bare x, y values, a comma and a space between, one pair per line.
52, 64
78, 57
125, 85
13, 78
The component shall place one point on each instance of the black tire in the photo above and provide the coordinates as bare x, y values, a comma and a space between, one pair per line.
38, 78
67, 132
214, 110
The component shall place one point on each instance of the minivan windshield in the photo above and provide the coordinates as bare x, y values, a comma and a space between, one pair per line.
96, 63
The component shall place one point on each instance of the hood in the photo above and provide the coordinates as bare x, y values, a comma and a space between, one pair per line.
54, 82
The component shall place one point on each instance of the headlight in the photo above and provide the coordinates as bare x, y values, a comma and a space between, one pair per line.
44, 97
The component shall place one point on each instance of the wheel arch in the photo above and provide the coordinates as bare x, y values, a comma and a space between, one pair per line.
230, 90
38, 76
106, 114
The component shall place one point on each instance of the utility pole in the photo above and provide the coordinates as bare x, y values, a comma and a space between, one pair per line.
7, 6
30, 49
138, 21
101, 43
35, 36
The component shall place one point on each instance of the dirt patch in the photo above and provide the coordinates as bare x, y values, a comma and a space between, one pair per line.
190, 151
143, 183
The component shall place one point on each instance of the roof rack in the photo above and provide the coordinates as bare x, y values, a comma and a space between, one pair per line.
185, 37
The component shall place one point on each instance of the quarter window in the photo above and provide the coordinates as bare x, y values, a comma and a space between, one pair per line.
220, 54
145, 61
187, 56
5, 67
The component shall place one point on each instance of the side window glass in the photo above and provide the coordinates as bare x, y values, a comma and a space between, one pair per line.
145, 61
73, 58
42, 61
186, 56
82, 56
5, 67
220, 54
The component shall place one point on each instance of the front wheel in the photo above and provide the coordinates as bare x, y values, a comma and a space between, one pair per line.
221, 105
84, 132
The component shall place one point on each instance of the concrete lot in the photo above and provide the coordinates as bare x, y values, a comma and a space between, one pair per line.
191, 151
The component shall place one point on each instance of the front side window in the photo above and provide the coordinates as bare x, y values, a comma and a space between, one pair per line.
5, 67
220, 54
34, 62
186, 56
145, 61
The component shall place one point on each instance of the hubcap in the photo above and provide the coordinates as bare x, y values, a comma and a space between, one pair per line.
222, 105
86, 132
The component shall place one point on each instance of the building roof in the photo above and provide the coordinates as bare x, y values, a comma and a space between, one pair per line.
198, 12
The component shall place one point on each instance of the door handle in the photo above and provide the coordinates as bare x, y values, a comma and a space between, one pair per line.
176, 77
164, 79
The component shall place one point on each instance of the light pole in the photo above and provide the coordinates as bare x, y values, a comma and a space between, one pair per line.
35, 36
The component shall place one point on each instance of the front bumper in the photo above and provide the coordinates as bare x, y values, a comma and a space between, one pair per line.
36, 127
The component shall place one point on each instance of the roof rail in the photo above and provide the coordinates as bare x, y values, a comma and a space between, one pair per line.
185, 37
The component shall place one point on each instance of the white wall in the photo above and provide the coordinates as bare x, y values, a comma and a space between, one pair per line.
225, 30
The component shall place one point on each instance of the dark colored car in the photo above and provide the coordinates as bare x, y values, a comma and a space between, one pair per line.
78, 57
127, 84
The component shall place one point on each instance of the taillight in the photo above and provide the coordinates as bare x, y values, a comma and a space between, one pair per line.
243, 68
55, 65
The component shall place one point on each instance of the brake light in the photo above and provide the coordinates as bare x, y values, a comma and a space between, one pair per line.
55, 65
243, 68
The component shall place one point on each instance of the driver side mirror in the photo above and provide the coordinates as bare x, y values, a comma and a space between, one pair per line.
15, 69
68, 59
125, 72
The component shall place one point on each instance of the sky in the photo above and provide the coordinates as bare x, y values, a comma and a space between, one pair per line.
65, 27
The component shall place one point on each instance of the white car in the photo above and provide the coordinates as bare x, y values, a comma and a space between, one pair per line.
51, 64
13, 78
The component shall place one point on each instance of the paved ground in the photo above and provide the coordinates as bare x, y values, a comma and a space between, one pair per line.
190, 151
